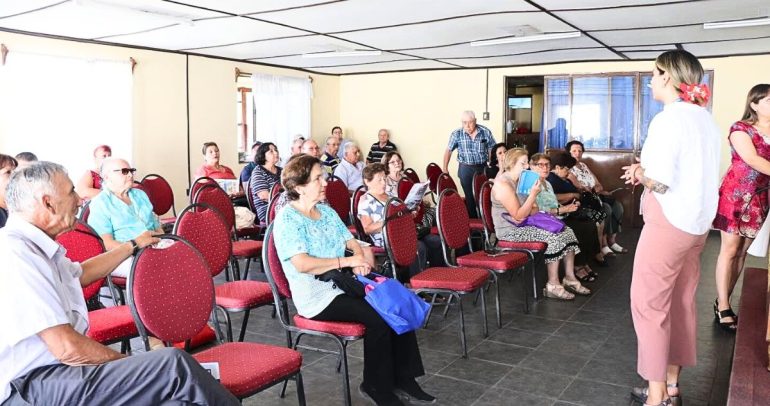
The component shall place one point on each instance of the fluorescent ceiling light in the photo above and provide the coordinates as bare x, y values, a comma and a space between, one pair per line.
134, 9
342, 54
526, 38
737, 23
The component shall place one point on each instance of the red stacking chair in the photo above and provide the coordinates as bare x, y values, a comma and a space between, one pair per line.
110, 324
445, 182
535, 249
215, 197
85, 210
200, 182
478, 179
250, 197
401, 243
432, 172
412, 175
338, 197
455, 233
276, 190
340, 332
271, 209
404, 186
171, 295
204, 228
161, 196
360, 233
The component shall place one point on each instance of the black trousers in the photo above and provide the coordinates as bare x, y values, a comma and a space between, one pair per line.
162, 377
587, 236
466, 174
388, 357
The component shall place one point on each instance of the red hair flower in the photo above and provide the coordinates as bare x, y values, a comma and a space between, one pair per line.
695, 94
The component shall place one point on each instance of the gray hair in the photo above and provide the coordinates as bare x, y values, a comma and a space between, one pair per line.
470, 114
349, 145
30, 183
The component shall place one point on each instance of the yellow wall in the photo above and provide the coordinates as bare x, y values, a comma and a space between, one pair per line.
422, 108
160, 105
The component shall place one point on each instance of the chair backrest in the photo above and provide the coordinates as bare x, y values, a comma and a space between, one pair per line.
85, 210
432, 172
83, 243
215, 197
140, 186
485, 208
444, 182
160, 193
478, 179
170, 291
204, 227
399, 234
279, 285
275, 190
411, 174
272, 204
200, 182
354, 202
453, 222
404, 186
249, 196
338, 196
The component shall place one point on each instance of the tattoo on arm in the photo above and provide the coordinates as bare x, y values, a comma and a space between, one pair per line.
654, 185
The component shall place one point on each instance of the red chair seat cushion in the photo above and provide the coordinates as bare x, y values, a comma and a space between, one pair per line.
481, 259
168, 220
461, 279
476, 225
111, 324
378, 250
243, 294
244, 368
119, 282
527, 245
247, 248
252, 231
434, 230
339, 328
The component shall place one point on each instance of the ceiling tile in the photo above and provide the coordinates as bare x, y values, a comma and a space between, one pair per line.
465, 50
586, 4
454, 31
385, 67
251, 6
572, 55
748, 46
694, 33
646, 48
220, 31
642, 54
311, 63
281, 47
13, 7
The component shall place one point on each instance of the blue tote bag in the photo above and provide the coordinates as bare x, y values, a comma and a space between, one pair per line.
398, 306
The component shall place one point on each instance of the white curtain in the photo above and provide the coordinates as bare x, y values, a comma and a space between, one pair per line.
62, 108
283, 109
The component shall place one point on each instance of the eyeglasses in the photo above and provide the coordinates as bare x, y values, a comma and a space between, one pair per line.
125, 171
396, 162
542, 165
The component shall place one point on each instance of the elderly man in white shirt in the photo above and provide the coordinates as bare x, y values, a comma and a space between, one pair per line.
350, 169
45, 355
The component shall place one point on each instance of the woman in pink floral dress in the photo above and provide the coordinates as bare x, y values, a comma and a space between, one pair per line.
743, 202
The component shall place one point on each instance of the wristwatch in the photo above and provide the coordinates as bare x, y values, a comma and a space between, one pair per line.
135, 247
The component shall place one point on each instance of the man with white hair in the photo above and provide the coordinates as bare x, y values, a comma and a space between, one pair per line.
120, 213
473, 144
350, 169
329, 159
381, 147
47, 359
311, 148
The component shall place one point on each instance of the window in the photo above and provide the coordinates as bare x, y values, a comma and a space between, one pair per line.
62, 108
245, 116
600, 110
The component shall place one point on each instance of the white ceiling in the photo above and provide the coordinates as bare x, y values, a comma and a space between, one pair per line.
412, 34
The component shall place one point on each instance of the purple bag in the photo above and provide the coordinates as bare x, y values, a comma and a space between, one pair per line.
541, 220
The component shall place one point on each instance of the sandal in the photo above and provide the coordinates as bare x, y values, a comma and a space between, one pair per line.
575, 287
719, 317
557, 292
640, 394
617, 248
608, 252
585, 276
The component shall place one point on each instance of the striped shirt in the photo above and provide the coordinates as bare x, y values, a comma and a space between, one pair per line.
472, 151
376, 152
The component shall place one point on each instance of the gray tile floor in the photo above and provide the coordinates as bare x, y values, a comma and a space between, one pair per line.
562, 353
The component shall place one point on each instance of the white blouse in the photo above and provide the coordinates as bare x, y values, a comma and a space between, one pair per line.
682, 152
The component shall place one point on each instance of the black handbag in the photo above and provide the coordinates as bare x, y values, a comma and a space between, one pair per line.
345, 280
590, 208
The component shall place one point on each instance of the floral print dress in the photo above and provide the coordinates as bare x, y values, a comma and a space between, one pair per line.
742, 209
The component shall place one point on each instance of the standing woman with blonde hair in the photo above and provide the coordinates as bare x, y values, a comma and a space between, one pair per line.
743, 201
680, 172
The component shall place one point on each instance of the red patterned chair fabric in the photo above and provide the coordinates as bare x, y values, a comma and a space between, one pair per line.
215, 197
160, 193
478, 179
85, 210
445, 182
338, 197
250, 196
460, 279
83, 243
200, 182
412, 175
355, 200
432, 172
271, 212
481, 259
111, 324
171, 295
243, 294
338, 328
276, 190
525, 245
404, 186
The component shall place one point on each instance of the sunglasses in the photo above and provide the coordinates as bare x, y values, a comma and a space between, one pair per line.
125, 171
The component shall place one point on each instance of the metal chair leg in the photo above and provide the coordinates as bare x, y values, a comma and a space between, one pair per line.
300, 389
463, 343
246, 273
243, 324
448, 303
484, 313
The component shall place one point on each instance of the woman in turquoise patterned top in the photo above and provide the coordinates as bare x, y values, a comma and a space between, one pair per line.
310, 240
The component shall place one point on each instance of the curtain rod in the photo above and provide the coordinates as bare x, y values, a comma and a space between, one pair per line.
4, 55
241, 74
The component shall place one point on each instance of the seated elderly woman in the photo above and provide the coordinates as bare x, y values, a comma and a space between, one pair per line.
120, 213
311, 240
7, 165
585, 180
371, 212
90, 184
265, 175
507, 203
394, 169
567, 210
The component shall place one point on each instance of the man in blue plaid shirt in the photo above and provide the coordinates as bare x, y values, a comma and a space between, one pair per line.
473, 144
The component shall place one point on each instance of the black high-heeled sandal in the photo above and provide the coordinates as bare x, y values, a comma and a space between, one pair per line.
719, 317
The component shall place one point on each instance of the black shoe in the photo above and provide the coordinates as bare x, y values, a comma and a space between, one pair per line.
378, 398
719, 317
413, 393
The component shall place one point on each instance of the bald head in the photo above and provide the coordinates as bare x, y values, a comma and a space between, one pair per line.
311, 148
117, 174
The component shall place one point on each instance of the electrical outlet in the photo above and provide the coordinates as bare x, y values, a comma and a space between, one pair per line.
485, 115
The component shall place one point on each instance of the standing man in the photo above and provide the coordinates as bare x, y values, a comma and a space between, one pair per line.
474, 144
380, 147
329, 159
